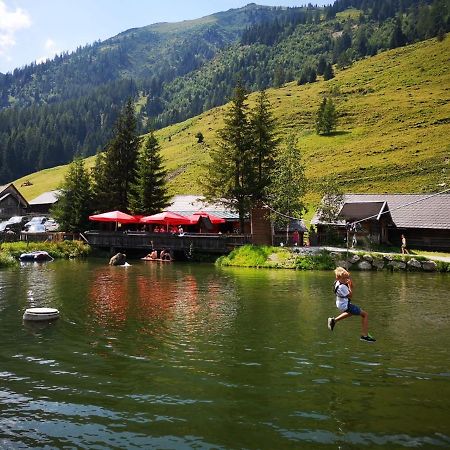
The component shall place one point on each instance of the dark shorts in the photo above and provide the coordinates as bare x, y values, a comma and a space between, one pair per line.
353, 309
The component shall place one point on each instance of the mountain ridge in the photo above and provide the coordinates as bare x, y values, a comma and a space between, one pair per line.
394, 116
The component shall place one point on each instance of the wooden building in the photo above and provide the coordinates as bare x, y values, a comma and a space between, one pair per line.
12, 203
41, 205
424, 219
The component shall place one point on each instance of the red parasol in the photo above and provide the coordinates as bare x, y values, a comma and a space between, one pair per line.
213, 219
166, 218
114, 216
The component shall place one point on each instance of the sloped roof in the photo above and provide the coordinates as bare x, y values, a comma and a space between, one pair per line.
188, 204
408, 210
360, 210
47, 198
4, 187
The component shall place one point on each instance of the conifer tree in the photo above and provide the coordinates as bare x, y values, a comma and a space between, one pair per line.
74, 199
150, 191
326, 120
328, 73
120, 163
264, 145
229, 174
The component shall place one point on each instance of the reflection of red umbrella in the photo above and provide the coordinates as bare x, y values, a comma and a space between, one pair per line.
166, 218
213, 219
114, 216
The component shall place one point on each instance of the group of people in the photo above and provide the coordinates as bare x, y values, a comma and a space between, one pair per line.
172, 229
163, 256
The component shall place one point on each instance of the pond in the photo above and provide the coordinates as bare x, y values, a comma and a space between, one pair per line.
180, 356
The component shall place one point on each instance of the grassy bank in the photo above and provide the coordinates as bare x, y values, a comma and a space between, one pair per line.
284, 258
10, 252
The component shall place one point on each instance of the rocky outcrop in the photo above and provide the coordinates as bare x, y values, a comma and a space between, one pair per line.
375, 262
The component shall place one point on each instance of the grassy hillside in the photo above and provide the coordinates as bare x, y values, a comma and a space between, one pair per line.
394, 123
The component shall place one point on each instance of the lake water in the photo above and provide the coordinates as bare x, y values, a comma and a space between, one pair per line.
179, 356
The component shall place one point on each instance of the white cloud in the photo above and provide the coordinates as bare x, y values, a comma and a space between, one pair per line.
10, 23
50, 50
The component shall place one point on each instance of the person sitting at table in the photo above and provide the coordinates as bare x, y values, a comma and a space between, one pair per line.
180, 230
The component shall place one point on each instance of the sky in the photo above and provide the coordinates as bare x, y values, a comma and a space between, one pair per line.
34, 30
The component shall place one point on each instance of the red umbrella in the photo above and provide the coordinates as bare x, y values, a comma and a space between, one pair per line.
213, 219
114, 216
166, 218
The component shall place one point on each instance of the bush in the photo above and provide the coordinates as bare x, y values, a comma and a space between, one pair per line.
442, 266
247, 256
321, 261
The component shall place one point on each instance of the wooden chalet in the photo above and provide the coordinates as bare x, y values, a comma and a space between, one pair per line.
41, 205
424, 219
12, 203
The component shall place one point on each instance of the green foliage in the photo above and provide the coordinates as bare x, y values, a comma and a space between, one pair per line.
200, 138
332, 198
442, 266
264, 146
118, 171
321, 261
7, 260
326, 117
149, 194
248, 256
289, 184
11, 251
74, 199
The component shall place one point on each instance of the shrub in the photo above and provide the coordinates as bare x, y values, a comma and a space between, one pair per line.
321, 261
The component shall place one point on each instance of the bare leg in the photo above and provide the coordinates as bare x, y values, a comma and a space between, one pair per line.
342, 316
365, 322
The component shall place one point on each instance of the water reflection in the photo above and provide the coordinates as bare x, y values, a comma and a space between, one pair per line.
180, 356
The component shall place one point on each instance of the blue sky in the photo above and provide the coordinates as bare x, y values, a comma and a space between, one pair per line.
33, 30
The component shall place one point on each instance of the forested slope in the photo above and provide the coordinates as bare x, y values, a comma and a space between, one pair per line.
392, 134
64, 107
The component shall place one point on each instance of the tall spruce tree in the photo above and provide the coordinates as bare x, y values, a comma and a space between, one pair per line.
150, 193
230, 172
118, 171
289, 185
264, 145
74, 199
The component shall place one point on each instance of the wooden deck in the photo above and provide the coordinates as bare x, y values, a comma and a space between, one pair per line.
189, 243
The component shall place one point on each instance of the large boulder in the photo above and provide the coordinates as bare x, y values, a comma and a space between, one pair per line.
354, 259
413, 264
119, 259
397, 265
368, 258
429, 266
364, 265
343, 263
378, 263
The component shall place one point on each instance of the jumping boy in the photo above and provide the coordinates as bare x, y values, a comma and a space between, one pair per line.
343, 288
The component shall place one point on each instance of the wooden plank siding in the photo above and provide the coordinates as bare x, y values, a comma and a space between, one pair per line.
205, 243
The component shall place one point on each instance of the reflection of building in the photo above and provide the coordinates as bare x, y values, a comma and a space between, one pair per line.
12, 203
424, 219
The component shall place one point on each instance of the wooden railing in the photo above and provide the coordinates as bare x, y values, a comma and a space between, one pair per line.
136, 240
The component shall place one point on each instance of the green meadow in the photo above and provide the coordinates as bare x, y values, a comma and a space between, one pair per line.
392, 134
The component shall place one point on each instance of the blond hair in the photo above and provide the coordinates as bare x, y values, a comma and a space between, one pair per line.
340, 272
